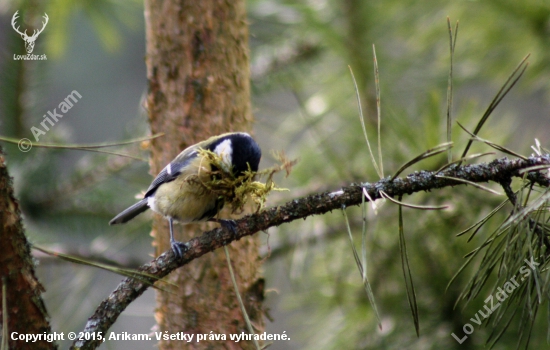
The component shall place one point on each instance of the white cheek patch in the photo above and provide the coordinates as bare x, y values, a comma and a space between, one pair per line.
225, 151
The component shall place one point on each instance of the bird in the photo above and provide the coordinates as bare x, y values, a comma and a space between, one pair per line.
178, 199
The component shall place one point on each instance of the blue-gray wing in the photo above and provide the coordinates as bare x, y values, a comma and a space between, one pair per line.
172, 170
169, 173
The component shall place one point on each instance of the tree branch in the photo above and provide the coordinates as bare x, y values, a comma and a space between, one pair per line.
500, 171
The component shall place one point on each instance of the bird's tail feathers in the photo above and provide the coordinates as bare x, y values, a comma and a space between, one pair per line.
130, 212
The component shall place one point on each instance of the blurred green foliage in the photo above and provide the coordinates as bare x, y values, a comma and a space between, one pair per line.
300, 56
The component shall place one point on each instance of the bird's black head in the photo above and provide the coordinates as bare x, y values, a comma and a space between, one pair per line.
242, 151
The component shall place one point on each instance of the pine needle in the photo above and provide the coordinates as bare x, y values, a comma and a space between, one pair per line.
506, 87
362, 120
452, 43
412, 206
378, 111
473, 156
94, 147
427, 154
241, 304
139, 275
362, 271
492, 144
409, 284
476, 185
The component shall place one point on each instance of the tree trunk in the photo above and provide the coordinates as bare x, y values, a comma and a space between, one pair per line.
24, 308
198, 73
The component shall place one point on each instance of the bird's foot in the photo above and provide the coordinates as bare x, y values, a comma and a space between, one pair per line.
230, 225
179, 248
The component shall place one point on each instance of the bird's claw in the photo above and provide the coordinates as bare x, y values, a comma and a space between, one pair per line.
179, 248
230, 225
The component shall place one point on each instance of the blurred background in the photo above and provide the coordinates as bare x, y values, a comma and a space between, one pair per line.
304, 103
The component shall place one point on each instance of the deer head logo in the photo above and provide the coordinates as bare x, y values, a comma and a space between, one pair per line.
29, 40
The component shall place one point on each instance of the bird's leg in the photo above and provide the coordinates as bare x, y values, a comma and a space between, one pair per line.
177, 247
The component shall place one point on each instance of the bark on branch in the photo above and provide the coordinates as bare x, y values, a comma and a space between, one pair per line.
500, 171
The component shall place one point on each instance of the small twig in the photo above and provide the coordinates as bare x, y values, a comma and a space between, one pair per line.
505, 183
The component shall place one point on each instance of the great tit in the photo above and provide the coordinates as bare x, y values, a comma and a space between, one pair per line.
173, 196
